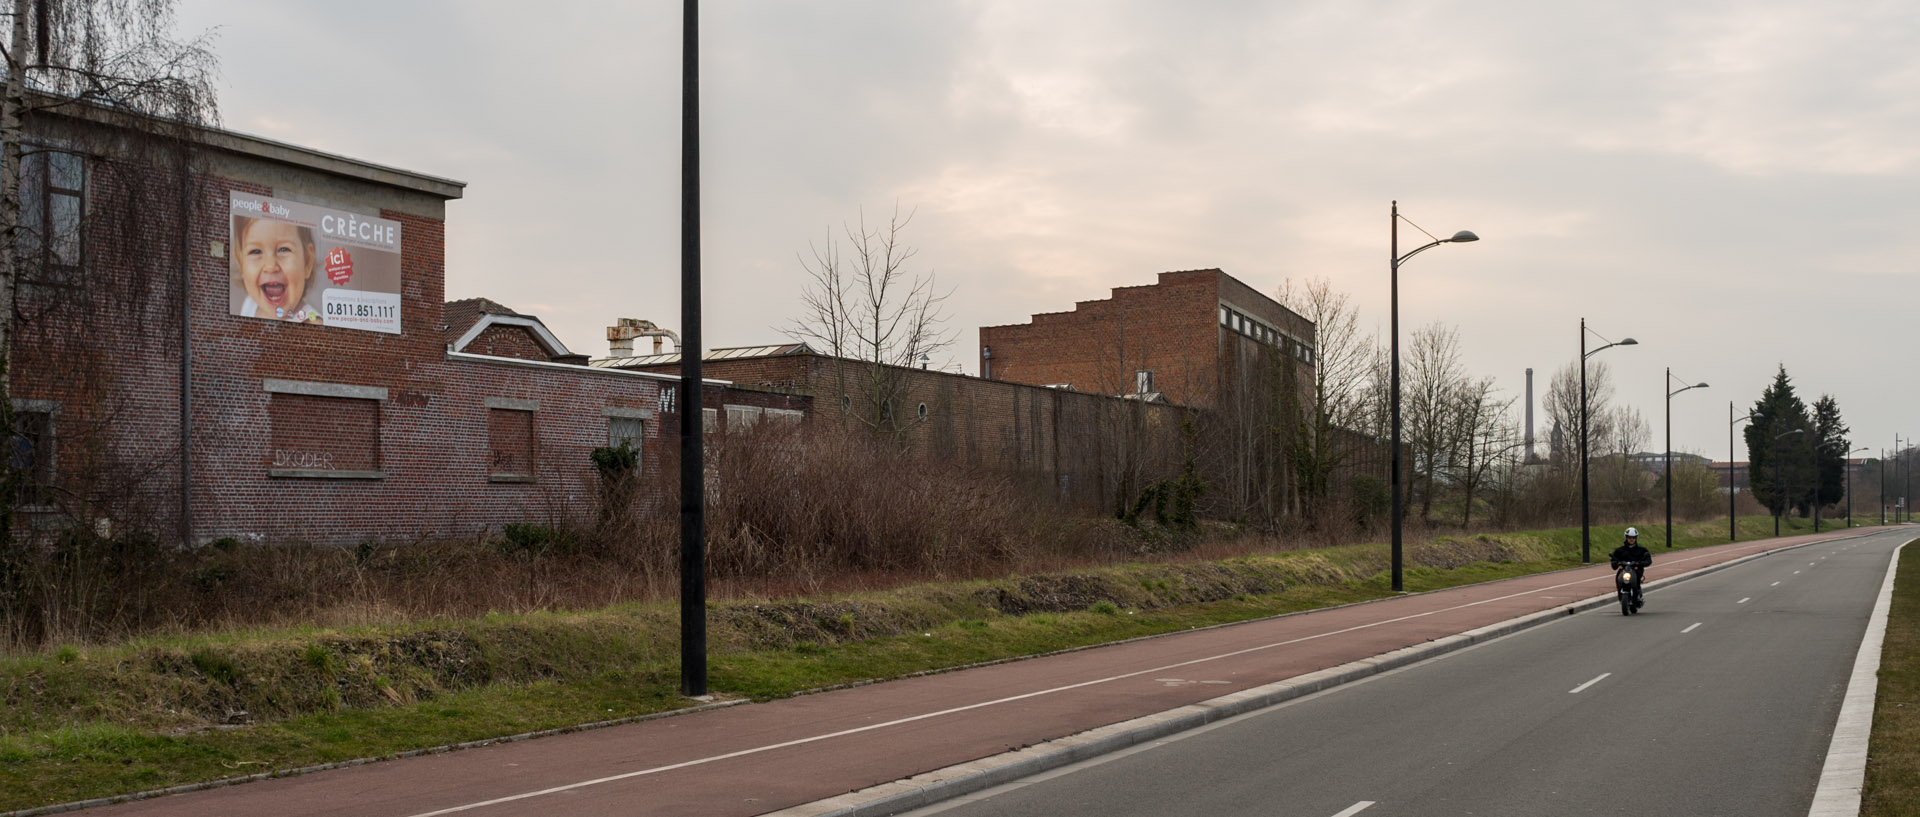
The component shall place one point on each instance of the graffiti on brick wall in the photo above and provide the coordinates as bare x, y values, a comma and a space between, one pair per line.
304, 460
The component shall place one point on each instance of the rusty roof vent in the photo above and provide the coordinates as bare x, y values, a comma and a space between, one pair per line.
620, 336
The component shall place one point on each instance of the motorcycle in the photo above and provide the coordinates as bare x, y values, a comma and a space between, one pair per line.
1626, 585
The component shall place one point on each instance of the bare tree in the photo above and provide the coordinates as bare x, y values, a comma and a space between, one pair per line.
1432, 423
1563, 408
113, 58
1343, 367
862, 304
1488, 436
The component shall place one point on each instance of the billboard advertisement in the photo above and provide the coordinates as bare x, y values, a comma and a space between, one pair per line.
298, 262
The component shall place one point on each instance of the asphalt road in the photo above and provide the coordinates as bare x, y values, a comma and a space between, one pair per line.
1718, 699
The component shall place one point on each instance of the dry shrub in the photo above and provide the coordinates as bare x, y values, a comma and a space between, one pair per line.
813, 502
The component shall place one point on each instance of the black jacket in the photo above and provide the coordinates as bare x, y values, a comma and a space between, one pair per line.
1631, 555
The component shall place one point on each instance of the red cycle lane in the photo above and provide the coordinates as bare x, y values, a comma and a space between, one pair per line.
756, 758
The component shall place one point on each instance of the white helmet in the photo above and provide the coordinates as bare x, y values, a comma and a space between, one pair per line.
1632, 533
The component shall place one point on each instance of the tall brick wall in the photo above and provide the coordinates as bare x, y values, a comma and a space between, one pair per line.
1079, 447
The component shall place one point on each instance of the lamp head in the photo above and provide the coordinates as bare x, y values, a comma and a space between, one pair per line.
1700, 385
1628, 342
1463, 237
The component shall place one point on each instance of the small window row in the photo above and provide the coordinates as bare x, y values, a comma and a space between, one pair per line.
1252, 327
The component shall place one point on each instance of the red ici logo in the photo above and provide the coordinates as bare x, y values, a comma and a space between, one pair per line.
339, 265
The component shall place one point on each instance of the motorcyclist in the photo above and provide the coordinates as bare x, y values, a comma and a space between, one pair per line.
1631, 553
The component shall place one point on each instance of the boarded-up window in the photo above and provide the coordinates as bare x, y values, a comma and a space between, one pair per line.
510, 443
317, 436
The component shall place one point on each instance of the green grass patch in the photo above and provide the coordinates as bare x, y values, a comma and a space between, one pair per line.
110, 719
1893, 754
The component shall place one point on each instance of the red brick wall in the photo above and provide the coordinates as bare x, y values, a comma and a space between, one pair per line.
116, 380
1171, 328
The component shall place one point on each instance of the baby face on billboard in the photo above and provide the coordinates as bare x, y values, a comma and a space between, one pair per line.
275, 261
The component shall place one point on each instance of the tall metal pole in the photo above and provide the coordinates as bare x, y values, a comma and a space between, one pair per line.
1586, 539
693, 521
1394, 324
1667, 386
1733, 522
1778, 494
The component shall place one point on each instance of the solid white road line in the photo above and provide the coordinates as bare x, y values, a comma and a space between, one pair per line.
1356, 808
1576, 690
1691, 628
1775, 584
1745, 600
1846, 767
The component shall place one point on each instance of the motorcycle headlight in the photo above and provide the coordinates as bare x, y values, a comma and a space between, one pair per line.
1626, 575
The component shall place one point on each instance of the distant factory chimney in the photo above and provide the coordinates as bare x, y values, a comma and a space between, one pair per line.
1530, 455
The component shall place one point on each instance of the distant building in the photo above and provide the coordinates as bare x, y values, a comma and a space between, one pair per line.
1189, 337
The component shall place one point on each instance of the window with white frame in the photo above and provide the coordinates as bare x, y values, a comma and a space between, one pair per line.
628, 431
741, 418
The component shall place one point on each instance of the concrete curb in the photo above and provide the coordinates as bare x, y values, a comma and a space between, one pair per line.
959, 780
1843, 775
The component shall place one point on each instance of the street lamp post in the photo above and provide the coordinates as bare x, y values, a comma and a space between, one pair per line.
1905, 500
1846, 463
1586, 537
1461, 237
693, 519
1778, 494
1668, 476
1906, 483
1733, 521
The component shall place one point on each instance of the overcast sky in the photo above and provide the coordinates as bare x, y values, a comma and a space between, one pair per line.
1734, 184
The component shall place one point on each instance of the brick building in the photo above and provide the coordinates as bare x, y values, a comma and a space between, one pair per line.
1191, 337
255, 343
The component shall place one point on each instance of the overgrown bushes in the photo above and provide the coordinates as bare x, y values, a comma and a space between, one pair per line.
789, 511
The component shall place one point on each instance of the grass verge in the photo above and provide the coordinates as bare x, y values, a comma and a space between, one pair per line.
79, 723
1893, 754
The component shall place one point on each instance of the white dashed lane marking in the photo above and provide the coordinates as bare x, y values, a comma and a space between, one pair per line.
1576, 690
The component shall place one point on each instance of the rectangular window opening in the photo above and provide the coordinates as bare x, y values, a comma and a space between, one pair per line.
323, 437
510, 445
52, 210
33, 455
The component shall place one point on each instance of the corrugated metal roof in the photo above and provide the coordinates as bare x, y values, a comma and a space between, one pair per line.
732, 353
